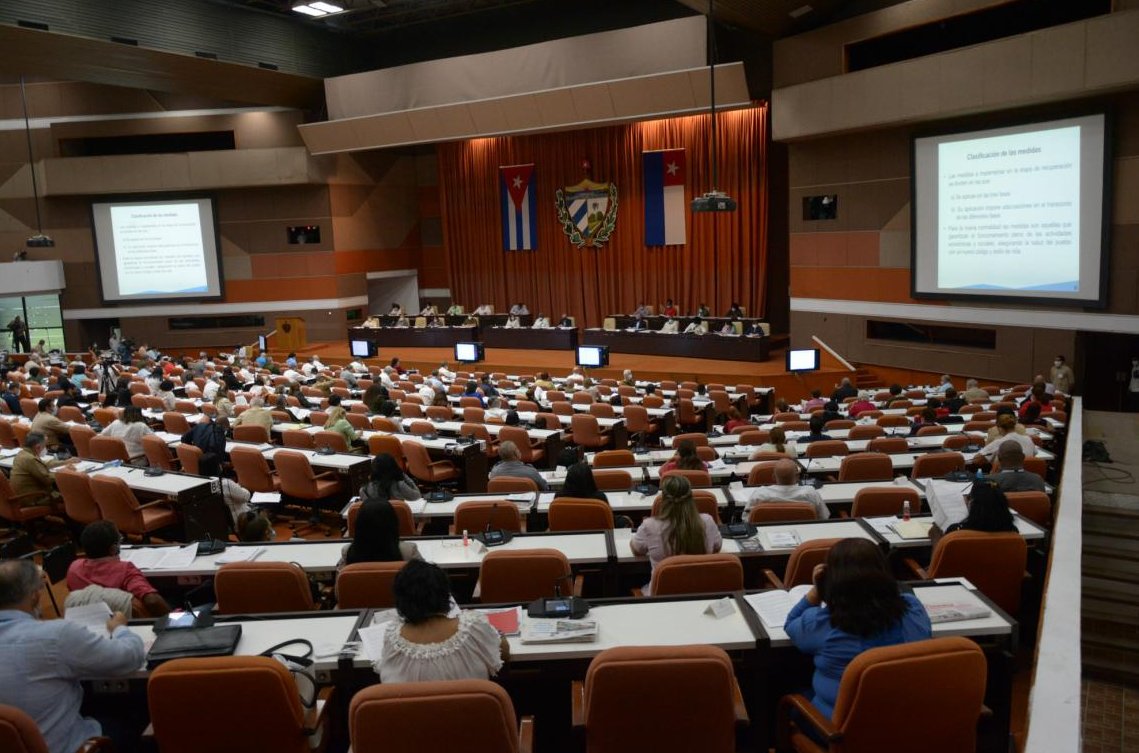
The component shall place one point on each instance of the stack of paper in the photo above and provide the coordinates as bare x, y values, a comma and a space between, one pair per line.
950, 612
947, 501
239, 554
92, 616
912, 529
545, 630
265, 498
779, 539
160, 557
774, 606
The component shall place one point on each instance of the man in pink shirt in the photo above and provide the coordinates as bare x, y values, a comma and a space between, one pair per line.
102, 567
860, 405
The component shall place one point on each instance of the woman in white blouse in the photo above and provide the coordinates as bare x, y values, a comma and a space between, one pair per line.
131, 428
433, 639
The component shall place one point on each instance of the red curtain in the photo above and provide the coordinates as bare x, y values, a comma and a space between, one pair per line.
723, 261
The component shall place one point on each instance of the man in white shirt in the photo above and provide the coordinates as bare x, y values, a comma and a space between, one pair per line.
670, 327
519, 309
484, 310
386, 377
293, 375
210, 391
513, 322
445, 372
395, 310
696, 327
427, 394
429, 310
642, 310
357, 367
542, 322
576, 375
786, 489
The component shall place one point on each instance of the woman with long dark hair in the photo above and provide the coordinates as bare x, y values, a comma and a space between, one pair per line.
376, 537
388, 481
853, 606
580, 484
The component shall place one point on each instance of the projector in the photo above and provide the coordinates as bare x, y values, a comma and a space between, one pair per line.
714, 201
40, 241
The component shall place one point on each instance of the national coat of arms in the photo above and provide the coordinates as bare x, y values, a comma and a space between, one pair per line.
587, 211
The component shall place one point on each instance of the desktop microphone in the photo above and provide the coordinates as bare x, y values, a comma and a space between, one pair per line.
645, 487
495, 537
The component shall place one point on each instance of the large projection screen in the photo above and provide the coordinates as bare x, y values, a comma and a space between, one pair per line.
157, 249
1014, 213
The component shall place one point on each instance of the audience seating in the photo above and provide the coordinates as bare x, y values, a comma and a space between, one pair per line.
433, 716
877, 501
262, 587
252, 470
511, 485
475, 517
827, 448
576, 514
380, 444
251, 433
8, 437
801, 565
108, 448
19, 734
762, 473
299, 482
403, 514
78, 501
176, 423
587, 433
705, 501
81, 437
781, 512
522, 575
118, 504
946, 674
332, 439
366, 585
189, 458
865, 431
12, 508
157, 453
993, 562
866, 466
613, 480
686, 698
695, 478
420, 465
1036, 506
697, 573
614, 459
888, 445
937, 465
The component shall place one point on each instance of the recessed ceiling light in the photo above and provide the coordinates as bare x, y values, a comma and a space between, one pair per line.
309, 10
326, 7
802, 10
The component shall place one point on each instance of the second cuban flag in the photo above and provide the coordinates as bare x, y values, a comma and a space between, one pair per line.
665, 207
519, 210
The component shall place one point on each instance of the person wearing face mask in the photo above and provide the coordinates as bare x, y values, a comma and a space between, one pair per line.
1062, 377
1133, 386
56, 432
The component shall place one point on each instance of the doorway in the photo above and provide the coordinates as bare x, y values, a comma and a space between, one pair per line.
1104, 368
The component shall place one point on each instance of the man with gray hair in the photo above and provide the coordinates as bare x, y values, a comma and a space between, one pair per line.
43, 661
510, 464
256, 414
973, 392
1013, 477
786, 489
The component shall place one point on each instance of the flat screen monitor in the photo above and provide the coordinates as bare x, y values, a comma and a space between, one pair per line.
469, 352
806, 359
592, 356
262, 343
362, 348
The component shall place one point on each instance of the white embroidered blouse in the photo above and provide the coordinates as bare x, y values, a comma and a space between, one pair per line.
472, 653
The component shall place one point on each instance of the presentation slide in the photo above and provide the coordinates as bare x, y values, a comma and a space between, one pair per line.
1012, 212
157, 250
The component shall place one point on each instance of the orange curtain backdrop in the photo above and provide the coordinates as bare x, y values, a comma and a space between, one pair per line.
724, 259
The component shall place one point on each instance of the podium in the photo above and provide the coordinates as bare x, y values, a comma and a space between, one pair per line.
291, 334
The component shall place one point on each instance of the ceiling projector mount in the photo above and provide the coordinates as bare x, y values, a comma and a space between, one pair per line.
715, 200
39, 240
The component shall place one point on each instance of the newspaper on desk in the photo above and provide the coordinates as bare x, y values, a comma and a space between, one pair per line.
554, 630
947, 501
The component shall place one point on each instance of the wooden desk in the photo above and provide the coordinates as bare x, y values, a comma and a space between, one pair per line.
556, 338
719, 347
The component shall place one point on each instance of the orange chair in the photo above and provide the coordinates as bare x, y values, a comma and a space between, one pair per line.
864, 431
839, 423
602, 410
81, 437
421, 428
993, 562
276, 722
654, 683
613, 480
118, 503
12, 507
511, 485
696, 438
687, 417
262, 587
253, 470
753, 438
189, 457
948, 674
410, 410
380, 444
19, 734
522, 575
614, 459
637, 422
888, 445
781, 512
8, 437
332, 439
427, 716
562, 408
403, 514
366, 585
1036, 465
937, 465
251, 433
866, 466
928, 431
893, 421
587, 432
157, 453
695, 478
577, 514
956, 442
876, 501
762, 473
298, 439
801, 565
706, 504
1036, 506
300, 482
78, 501
420, 465
383, 423
475, 516
528, 450
697, 574
108, 448
479, 432
175, 422
827, 448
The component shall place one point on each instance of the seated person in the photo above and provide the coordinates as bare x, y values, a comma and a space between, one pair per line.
863, 609
642, 310
729, 327
703, 311
928, 417
1006, 428
575, 376
470, 321
830, 412
639, 323
513, 322
787, 489
1031, 417
130, 427
735, 420
542, 322
566, 321
670, 326
337, 421
776, 442
388, 481
45, 423
861, 405
686, 459
953, 402
973, 392
946, 383
395, 310
372, 322
454, 309
472, 390
817, 423
844, 390
696, 327
484, 310
679, 529
436, 321
376, 538
1012, 477
988, 512
402, 322
519, 309
734, 312
430, 310
101, 566
580, 484
669, 309
433, 639
31, 474
815, 401
254, 526
510, 464
754, 329
256, 414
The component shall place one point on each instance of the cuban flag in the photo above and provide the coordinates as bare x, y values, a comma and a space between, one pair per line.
664, 197
519, 210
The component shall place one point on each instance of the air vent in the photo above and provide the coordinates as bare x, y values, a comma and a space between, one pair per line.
125, 40
206, 55
37, 25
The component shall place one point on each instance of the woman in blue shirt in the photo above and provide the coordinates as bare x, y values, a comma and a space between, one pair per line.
863, 609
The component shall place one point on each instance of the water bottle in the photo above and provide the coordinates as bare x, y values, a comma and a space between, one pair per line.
905, 509
979, 474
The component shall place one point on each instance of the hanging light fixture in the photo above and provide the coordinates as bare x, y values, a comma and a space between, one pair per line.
39, 240
715, 200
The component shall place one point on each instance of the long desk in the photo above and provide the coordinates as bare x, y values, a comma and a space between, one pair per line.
556, 338
719, 347
414, 337
552, 439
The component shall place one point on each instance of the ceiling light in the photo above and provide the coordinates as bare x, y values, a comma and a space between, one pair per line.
326, 7
308, 10
802, 10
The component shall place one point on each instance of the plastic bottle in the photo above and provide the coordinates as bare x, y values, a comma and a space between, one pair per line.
905, 509
466, 539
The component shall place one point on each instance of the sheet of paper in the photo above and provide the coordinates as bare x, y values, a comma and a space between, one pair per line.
265, 498
913, 529
147, 558
779, 539
883, 526
372, 641
946, 501
239, 554
774, 606
92, 616
178, 556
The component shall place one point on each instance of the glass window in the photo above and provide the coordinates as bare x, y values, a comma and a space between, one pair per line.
43, 316
43, 311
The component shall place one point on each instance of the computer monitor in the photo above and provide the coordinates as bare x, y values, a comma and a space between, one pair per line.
806, 359
362, 348
592, 356
469, 352
262, 343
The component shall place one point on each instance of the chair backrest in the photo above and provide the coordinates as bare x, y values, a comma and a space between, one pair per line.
947, 674
801, 565
521, 440
332, 439
636, 418
78, 500
586, 431
762, 473
432, 716
523, 575
686, 691
296, 474
180, 692
1036, 506
175, 422
261, 587
81, 437
866, 431
511, 485
866, 466
8, 437
695, 478
888, 444
926, 431
189, 457
367, 585
252, 469
19, 733
157, 452
781, 512
70, 413
698, 573
403, 514
579, 514
838, 423
993, 562
108, 448
698, 439
893, 420
381, 443
474, 516
876, 501
250, 433
936, 465
117, 503
754, 437
614, 459
613, 480
827, 448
